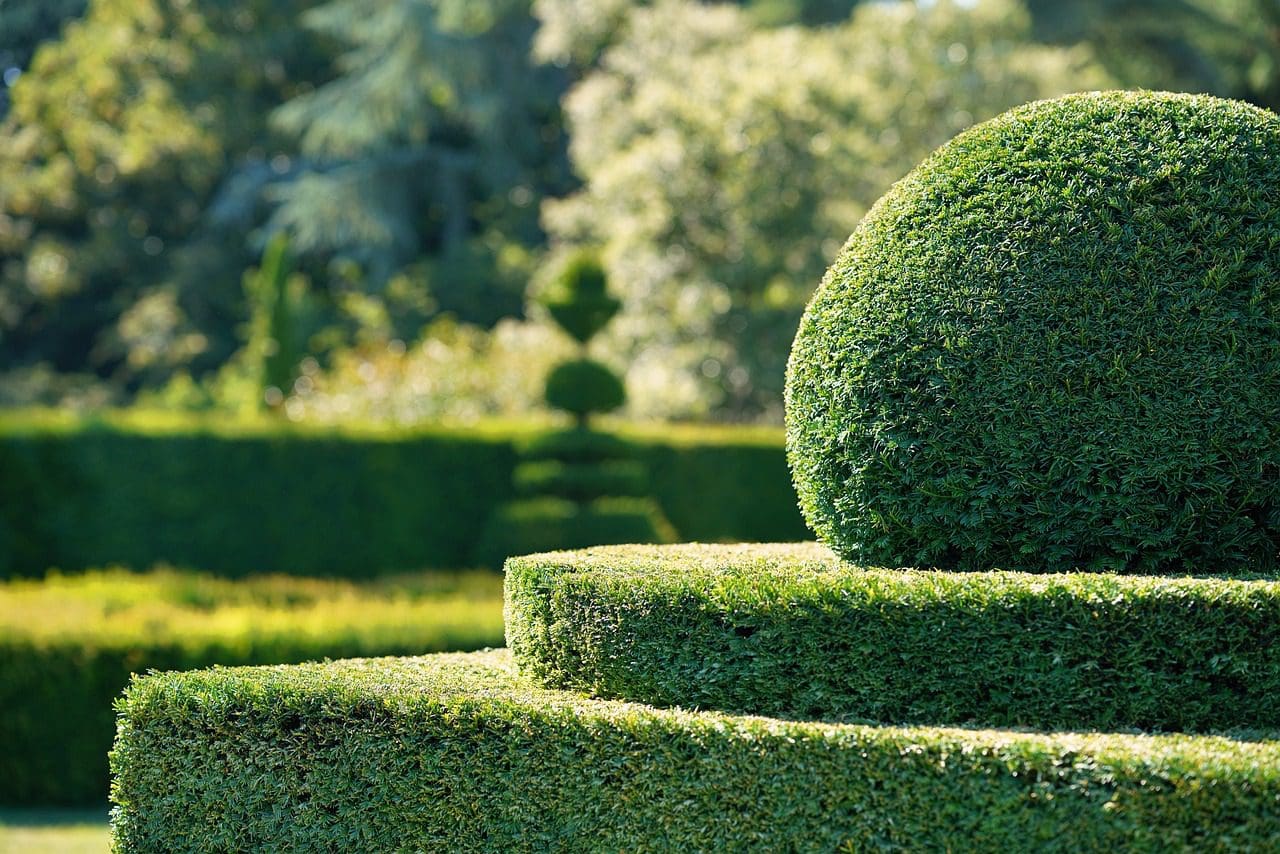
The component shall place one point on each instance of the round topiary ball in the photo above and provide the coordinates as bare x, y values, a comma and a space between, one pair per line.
1055, 345
583, 386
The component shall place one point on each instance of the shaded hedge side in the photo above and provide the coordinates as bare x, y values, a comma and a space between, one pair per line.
791, 631
275, 498
457, 753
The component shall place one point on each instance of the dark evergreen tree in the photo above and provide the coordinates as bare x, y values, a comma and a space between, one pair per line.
437, 141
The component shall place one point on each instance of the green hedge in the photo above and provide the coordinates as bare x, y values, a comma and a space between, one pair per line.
458, 753
69, 644
268, 497
542, 524
790, 631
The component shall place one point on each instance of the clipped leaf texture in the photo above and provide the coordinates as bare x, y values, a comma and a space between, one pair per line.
1055, 345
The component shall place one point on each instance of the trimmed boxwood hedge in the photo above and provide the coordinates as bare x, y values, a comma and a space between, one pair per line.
118, 489
581, 481
1055, 345
458, 753
789, 630
69, 644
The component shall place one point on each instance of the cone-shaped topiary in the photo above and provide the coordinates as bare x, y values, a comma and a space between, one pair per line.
1056, 344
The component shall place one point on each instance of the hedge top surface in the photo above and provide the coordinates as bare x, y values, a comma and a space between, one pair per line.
786, 569
1055, 345
118, 609
791, 631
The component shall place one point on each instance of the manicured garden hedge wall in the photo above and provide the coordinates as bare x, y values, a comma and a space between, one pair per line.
458, 753
789, 630
268, 497
69, 644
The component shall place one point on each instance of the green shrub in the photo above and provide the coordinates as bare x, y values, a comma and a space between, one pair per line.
580, 481
457, 753
548, 523
577, 299
1056, 345
791, 631
232, 498
69, 644
583, 386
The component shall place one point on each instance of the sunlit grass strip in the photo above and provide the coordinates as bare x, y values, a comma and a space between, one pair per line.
789, 630
459, 753
69, 645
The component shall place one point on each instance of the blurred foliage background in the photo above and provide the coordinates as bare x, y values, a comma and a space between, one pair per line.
345, 209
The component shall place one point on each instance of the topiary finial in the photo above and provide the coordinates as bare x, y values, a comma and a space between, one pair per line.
579, 302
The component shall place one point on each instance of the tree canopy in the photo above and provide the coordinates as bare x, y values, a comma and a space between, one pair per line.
428, 159
724, 166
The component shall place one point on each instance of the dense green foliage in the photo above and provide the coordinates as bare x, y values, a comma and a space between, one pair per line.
118, 255
272, 344
578, 487
69, 644
723, 164
790, 631
548, 523
235, 498
576, 446
250, 499
458, 753
430, 150
583, 386
581, 481
1054, 345
24, 25
408, 147
578, 300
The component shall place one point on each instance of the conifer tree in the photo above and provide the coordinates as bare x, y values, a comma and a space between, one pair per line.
438, 139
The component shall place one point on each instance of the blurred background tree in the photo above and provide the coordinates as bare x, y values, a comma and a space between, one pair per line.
24, 24
435, 144
724, 166
121, 135
427, 159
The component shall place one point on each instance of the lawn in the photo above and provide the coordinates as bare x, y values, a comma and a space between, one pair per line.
54, 831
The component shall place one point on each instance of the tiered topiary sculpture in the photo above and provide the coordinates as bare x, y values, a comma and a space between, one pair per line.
577, 487
1054, 346
579, 302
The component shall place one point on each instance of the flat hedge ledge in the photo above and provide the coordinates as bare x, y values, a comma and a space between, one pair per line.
457, 752
791, 631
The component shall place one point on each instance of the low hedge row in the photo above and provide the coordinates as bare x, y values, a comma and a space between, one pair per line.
69, 644
458, 753
83, 492
790, 631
